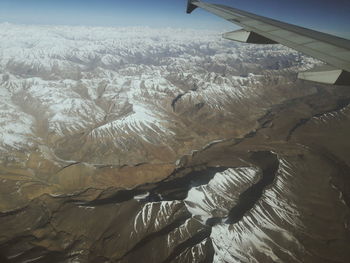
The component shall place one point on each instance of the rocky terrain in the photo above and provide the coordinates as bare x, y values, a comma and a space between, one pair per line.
167, 145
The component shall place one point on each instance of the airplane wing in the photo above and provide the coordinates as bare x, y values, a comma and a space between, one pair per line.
334, 51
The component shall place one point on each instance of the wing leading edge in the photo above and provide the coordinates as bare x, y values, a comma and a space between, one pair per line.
334, 51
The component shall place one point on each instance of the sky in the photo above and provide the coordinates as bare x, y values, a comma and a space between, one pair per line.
331, 16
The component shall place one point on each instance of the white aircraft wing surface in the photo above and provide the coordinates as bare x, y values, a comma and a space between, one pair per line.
333, 50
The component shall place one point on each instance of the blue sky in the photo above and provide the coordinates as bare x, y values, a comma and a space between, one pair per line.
330, 16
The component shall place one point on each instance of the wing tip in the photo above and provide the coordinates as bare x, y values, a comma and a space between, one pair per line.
190, 6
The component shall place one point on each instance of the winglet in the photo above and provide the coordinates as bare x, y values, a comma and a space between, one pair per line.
191, 6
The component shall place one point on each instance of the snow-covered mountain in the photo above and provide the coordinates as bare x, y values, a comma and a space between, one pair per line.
167, 145
124, 93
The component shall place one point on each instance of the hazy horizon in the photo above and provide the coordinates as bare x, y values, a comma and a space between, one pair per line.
327, 16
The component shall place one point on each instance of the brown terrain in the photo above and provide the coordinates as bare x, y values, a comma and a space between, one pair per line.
168, 147
51, 212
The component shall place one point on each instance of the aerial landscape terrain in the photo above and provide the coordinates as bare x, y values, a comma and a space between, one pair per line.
167, 145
